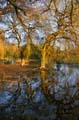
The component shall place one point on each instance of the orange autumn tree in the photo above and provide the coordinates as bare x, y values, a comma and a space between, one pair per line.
54, 18
2, 44
66, 34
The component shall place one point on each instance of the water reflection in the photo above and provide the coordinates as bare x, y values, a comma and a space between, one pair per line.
43, 95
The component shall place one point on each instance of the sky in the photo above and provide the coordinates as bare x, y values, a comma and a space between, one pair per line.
47, 18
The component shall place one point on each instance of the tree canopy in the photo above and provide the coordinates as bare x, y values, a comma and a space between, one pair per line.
52, 25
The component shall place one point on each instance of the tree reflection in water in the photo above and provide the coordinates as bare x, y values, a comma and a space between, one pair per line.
42, 96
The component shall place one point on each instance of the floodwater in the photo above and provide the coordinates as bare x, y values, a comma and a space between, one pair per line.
41, 95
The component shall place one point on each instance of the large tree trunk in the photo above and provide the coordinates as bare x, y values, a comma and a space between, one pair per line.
28, 51
29, 42
43, 59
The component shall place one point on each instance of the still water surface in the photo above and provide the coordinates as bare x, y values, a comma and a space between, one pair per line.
42, 95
